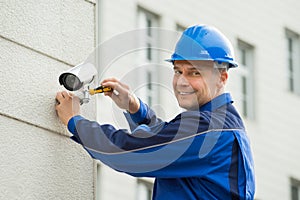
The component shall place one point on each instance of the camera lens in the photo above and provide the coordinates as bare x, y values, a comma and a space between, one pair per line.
70, 81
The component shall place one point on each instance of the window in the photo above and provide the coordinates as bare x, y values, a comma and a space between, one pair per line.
98, 178
180, 28
293, 61
246, 72
144, 189
295, 189
148, 57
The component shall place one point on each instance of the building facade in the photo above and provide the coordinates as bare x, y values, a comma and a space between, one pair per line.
131, 40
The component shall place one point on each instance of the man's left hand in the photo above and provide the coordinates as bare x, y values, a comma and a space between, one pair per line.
67, 106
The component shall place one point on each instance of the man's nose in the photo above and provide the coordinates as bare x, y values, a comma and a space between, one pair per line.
182, 80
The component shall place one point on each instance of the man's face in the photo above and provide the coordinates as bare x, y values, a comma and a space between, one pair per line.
196, 83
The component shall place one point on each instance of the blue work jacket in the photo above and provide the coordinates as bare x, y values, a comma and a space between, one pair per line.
200, 154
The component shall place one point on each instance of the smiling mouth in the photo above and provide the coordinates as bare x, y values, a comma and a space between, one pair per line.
186, 93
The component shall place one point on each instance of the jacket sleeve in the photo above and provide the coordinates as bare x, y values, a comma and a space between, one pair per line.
180, 148
145, 115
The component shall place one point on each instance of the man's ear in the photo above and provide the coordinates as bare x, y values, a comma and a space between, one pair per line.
223, 78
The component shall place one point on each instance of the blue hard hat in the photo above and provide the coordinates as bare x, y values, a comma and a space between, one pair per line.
202, 42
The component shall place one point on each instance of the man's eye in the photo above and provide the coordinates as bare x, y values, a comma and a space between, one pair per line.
195, 73
177, 72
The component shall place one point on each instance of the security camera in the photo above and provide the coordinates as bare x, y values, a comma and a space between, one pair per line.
77, 77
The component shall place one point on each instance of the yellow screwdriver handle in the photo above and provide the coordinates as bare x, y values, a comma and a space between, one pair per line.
100, 89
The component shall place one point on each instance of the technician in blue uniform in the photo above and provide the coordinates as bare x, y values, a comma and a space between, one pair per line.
203, 153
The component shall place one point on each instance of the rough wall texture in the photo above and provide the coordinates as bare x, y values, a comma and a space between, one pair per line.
39, 40
38, 164
61, 29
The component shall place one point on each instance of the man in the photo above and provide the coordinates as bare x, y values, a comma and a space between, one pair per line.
203, 153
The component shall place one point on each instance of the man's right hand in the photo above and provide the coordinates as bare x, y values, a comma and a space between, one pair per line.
122, 95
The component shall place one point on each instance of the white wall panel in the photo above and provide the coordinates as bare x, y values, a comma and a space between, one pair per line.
38, 164
62, 29
30, 85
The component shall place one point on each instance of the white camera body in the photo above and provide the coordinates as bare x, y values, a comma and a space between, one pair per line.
79, 78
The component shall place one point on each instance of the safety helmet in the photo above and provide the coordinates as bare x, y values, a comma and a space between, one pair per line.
203, 42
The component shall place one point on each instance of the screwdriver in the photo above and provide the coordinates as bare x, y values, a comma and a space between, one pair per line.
100, 89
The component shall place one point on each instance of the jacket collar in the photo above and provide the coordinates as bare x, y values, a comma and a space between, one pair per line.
217, 102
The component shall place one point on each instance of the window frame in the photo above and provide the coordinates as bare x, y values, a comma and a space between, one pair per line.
294, 183
246, 75
293, 61
147, 20
180, 28
144, 187
98, 183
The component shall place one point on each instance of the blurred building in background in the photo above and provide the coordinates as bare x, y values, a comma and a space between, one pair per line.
41, 39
